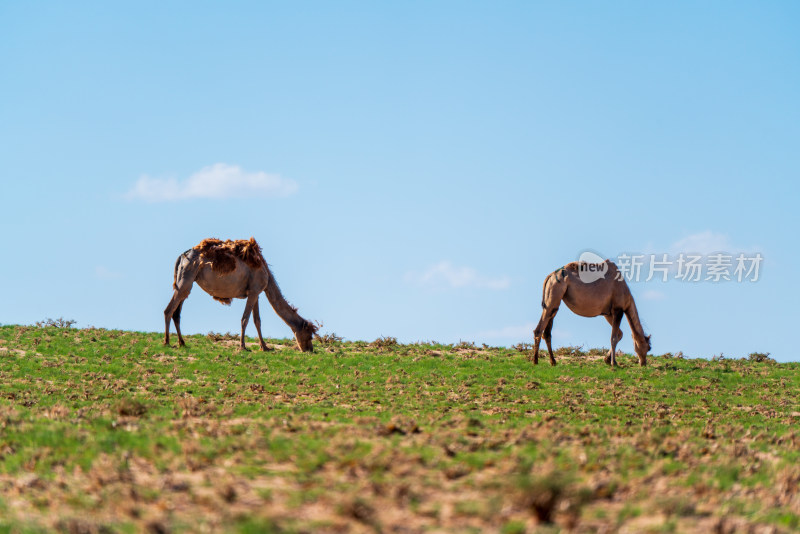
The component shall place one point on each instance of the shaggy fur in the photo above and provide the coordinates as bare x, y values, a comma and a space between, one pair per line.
222, 254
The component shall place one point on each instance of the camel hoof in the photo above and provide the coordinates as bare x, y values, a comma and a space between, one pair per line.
552, 362
265, 348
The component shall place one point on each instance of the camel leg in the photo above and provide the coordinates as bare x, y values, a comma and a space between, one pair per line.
611, 351
185, 273
173, 312
176, 318
552, 293
257, 322
616, 335
543, 328
252, 299
548, 329
537, 338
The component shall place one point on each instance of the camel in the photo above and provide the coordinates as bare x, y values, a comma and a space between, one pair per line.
608, 296
228, 270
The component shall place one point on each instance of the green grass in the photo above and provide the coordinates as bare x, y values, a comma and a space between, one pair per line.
111, 430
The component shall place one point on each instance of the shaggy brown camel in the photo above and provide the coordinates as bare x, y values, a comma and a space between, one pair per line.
228, 270
608, 296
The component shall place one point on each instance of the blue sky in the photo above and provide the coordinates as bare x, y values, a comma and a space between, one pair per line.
410, 169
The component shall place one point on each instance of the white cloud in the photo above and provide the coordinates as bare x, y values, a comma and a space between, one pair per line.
704, 243
445, 274
217, 181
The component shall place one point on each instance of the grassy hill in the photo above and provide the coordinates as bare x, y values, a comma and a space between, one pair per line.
106, 431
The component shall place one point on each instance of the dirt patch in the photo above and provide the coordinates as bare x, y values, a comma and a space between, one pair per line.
5, 351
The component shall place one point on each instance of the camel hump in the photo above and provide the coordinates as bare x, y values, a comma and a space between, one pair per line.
223, 254
570, 268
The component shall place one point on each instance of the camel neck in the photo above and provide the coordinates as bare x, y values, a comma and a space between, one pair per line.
285, 311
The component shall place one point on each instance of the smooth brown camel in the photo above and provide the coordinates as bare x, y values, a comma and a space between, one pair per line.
607, 295
233, 269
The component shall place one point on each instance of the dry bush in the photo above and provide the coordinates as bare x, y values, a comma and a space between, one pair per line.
570, 351
384, 342
57, 323
130, 407
542, 494
328, 338
760, 357
215, 336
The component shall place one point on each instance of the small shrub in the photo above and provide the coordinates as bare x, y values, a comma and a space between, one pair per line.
56, 323
384, 342
227, 336
598, 352
542, 494
677, 506
131, 407
362, 511
522, 347
760, 357
570, 351
327, 339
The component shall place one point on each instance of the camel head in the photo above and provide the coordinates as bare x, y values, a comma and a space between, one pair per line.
304, 336
642, 347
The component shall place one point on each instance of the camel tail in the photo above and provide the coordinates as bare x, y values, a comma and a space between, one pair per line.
175, 271
547, 287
